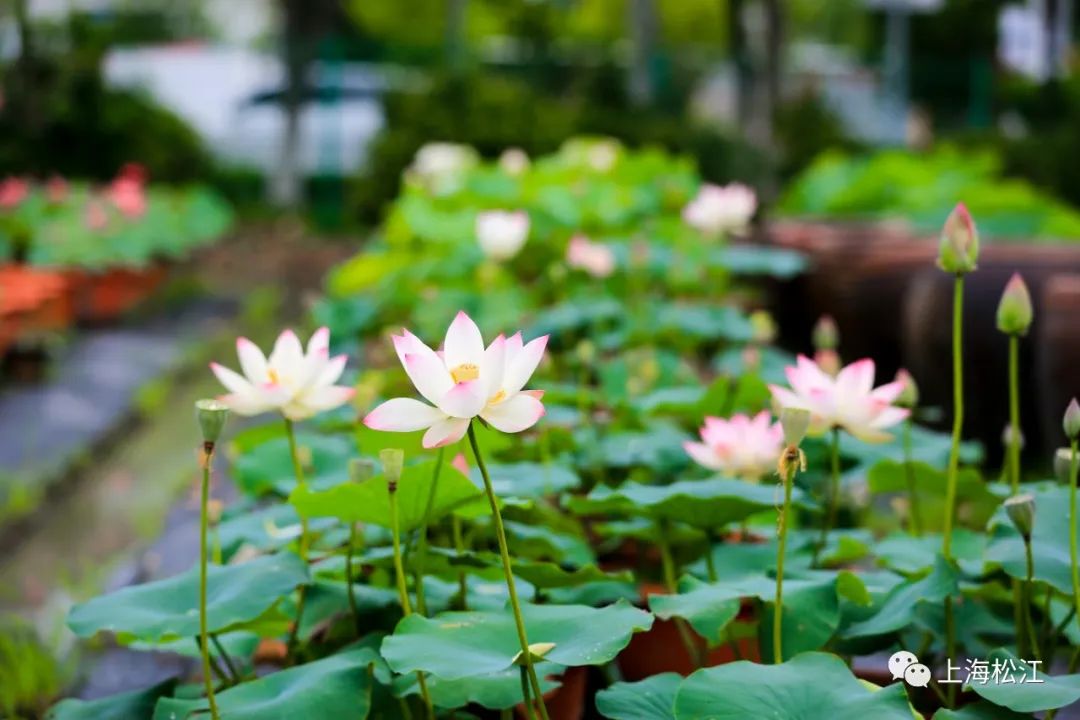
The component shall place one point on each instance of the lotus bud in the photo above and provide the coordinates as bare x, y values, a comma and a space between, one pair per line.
826, 335
1021, 510
958, 251
1071, 422
828, 361
1007, 436
361, 470
763, 327
1014, 312
795, 422
393, 462
909, 396
1063, 465
211, 415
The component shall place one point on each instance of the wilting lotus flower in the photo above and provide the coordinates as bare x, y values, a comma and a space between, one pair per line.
128, 195
297, 383
717, 210
462, 382
502, 234
13, 191
596, 259
848, 401
742, 446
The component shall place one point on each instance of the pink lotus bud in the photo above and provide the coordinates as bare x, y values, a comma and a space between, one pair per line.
826, 335
958, 251
909, 396
1014, 313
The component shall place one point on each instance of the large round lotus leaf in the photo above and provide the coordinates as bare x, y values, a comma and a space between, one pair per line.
809, 685
709, 503
268, 467
979, 711
369, 501
335, 687
539, 574
972, 492
651, 699
465, 644
264, 529
125, 706
1030, 689
1049, 539
168, 609
912, 555
496, 691
899, 607
528, 479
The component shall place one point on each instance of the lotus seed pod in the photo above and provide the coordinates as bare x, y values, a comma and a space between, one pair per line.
393, 462
211, 415
1021, 510
909, 396
1063, 464
763, 327
795, 422
826, 335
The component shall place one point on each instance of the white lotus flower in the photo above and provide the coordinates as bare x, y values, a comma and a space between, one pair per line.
502, 234
848, 401
514, 161
299, 384
596, 259
717, 210
462, 382
439, 164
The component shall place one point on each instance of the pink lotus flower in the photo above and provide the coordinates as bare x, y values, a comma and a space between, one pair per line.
462, 382
13, 190
299, 384
596, 259
129, 196
848, 401
742, 446
717, 210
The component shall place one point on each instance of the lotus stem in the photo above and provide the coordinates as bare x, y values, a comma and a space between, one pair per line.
508, 571
781, 545
298, 470
234, 675
914, 513
350, 578
954, 460
1014, 413
1072, 528
667, 565
833, 494
402, 589
421, 551
1029, 585
525, 693
459, 548
204, 634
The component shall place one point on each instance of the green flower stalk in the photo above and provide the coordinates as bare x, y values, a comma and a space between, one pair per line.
1071, 425
393, 461
909, 399
360, 471
795, 422
421, 551
508, 572
1014, 316
1021, 511
959, 255
298, 470
211, 416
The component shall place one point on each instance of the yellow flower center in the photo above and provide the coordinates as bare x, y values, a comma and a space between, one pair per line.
465, 372
497, 398
275, 379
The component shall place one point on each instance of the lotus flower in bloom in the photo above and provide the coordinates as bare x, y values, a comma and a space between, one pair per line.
129, 196
297, 383
717, 210
742, 446
502, 234
462, 382
848, 401
596, 259
438, 160
514, 161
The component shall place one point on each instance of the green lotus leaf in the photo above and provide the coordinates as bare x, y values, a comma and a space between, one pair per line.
899, 607
455, 645
651, 699
166, 610
1032, 690
1049, 539
124, 706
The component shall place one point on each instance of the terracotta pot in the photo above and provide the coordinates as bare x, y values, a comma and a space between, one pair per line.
105, 296
32, 303
1045, 354
566, 702
661, 648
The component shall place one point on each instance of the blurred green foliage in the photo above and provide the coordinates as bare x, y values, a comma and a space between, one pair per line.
30, 677
923, 187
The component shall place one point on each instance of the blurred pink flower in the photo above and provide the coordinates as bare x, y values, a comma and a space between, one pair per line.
128, 195
13, 190
56, 190
741, 446
96, 217
596, 259
848, 401
461, 464
717, 210
462, 382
